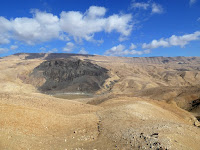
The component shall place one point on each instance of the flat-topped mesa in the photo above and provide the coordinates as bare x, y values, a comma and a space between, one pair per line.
70, 75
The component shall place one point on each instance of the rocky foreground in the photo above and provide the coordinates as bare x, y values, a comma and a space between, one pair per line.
138, 103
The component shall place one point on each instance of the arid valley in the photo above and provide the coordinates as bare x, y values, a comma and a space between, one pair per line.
100, 75
68, 101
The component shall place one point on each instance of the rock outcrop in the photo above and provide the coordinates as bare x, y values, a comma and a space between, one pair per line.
70, 75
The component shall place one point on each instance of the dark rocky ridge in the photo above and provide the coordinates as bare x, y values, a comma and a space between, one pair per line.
70, 75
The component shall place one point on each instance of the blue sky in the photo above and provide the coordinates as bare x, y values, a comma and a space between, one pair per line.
132, 28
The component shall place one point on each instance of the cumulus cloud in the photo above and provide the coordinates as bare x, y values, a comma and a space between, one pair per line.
173, 41
149, 5
120, 50
94, 12
45, 26
119, 23
69, 47
42, 27
13, 47
85, 25
5, 26
83, 51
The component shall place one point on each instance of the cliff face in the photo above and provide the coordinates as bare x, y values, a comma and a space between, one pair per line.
70, 75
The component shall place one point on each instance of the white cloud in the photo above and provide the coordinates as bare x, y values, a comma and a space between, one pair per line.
120, 50
119, 23
95, 11
4, 39
149, 5
44, 26
157, 8
41, 28
133, 46
173, 41
3, 50
83, 51
140, 5
85, 25
69, 47
192, 2
198, 19
116, 50
64, 37
5, 26
13, 47
155, 44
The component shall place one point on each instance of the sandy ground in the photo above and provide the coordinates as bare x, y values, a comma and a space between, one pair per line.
140, 111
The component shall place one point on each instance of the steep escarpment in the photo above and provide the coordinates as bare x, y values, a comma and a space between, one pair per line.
70, 75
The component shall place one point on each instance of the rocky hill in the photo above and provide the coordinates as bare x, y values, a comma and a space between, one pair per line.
136, 103
70, 75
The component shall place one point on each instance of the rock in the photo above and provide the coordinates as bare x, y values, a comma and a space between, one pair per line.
197, 123
70, 75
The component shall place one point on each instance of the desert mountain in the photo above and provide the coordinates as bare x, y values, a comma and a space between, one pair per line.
134, 103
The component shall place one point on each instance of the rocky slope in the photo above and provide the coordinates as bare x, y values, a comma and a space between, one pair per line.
70, 75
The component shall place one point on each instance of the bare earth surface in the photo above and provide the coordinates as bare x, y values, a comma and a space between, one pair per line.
146, 103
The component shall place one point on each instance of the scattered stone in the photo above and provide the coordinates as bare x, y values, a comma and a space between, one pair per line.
154, 134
